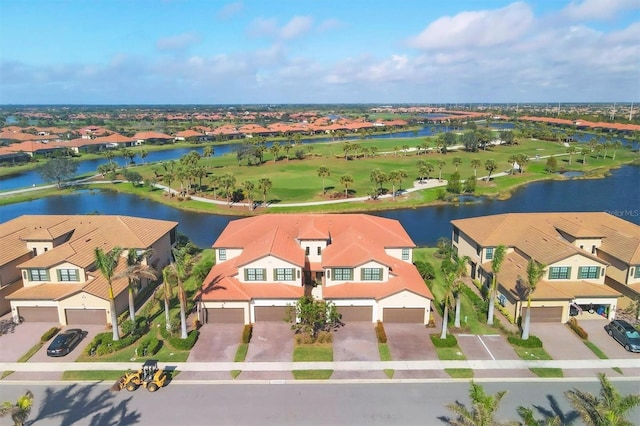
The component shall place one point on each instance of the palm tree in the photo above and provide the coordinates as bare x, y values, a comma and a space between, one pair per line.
513, 159
249, 187
167, 292
208, 152
616, 145
460, 271
135, 272
107, 263
441, 164
287, 147
346, 180
447, 300
584, 152
179, 269
228, 183
394, 178
475, 163
19, 411
496, 264
378, 177
528, 418
346, 148
264, 185
275, 151
609, 408
456, 161
482, 411
571, 149
143, 154
535, 271
490, 166
323, 172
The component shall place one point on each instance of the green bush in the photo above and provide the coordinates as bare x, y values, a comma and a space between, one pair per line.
449, 342
531, 342
380, 333
573, 323
49, 334
479, 305
324, 337
246, 333
185, 344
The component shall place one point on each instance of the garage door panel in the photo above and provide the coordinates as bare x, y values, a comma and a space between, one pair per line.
225, 315
39, 314
271, 313
544, 314
355, 313
403, 315
86, 316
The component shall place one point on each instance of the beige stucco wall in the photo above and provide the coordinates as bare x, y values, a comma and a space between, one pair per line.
9, 272
5, 306
313, 249
161, 252
404, 299
575, 262
270, 263
617, 269
356, 274
40, 246
466, 247
587, 244
53, 273
83, 300
397, 253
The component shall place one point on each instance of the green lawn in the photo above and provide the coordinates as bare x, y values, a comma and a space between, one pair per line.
528, 354
310, 353
31, 352
389, 372
92, 375
596, 350
450, 354
547, 372
385, 352
312, 374
459, 373
241, 353
235, 373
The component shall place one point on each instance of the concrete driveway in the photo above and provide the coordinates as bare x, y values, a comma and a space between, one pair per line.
16, 341
487, 347
356, 341
607, 344
90, 332
217, 343
560, 341
271, 341
410, 342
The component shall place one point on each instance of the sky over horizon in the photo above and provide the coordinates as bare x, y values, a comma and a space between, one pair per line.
330, 51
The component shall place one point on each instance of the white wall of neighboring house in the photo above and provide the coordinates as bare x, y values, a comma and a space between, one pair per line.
230, 252
40, 246
397, 253
270, 263
313, 249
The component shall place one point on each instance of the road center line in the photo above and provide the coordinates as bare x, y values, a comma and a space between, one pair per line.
485, 346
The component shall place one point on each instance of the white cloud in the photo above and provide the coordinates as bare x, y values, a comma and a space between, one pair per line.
329, 24
475, 29
587, 10
297, 27
230, 10
178, 42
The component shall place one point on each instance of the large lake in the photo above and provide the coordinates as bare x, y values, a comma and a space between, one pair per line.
617, 194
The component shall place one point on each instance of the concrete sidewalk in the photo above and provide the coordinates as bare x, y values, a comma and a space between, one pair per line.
345, 365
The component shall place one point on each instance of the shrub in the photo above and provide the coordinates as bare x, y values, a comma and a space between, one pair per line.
325, 337
49, 334
506, 313
380, 333
127, 327
479, 305
449, 342
531, 342
246, 333
304, 339
573, 323
185, 344
153, 346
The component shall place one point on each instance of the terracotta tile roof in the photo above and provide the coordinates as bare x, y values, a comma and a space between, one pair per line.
113, 138
189, 134
151, 135
620, 239
46, 291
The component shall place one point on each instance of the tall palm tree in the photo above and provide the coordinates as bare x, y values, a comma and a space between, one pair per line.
275, 151
19, 411
447, 300
460, 271
456, 161
107, 263
571, 149
394, 178
475, 163
179, 269
264, 185
496, 264
609, 408
323, 172
346, 180
249, 187
535, 271
441, 164
208, 152
585, 152
490, 166
135, 272
482, 411
167, 293
228, 183
616, 146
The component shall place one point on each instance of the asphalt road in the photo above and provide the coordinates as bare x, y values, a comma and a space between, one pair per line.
286, 404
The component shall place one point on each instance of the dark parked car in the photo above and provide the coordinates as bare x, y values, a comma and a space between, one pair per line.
625, 334
65, 342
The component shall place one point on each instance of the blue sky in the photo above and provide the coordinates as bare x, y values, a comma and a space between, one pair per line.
321, 51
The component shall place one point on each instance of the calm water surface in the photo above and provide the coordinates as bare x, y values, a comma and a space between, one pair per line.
617, 194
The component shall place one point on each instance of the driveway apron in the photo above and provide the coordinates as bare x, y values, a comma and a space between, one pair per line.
19, 339
409, 342
216, 343
271, 341
356, 341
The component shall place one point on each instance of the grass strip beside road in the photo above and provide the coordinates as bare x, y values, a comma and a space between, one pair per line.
459, 373
241, 352
389, 372
235, 373
313, 353
79, 375
31, 352
312, 374
385, 352
596, 350
547, 372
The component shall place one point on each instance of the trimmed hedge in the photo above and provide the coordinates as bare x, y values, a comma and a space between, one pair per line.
185, 344
573, 323
531, 342
104, 344
149, 346
246, 333
49, 334
449, 342
380, 333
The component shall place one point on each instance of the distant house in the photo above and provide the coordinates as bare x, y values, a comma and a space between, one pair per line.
47, 264
592, 259
154, 138
361, 263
